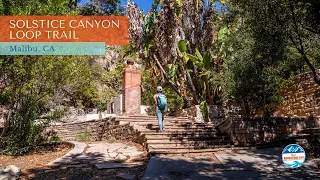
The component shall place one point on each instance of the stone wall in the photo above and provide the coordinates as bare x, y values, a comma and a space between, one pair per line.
221, 112
188, 112
115, 106
301, 98
254, 131
98, 130
118, 105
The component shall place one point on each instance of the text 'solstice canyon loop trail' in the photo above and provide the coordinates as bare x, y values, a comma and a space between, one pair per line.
63, 23
113, 30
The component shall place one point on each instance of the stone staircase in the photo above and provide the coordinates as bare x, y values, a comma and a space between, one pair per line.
181, 135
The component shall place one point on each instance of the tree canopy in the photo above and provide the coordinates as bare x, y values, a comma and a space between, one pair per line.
243, 52
34, 88
101, 8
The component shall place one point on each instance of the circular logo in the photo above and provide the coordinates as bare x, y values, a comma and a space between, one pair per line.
293, 156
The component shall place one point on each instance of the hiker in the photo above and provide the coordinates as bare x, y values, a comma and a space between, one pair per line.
161, 106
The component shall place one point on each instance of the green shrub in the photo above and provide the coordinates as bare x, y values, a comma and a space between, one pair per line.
119, 160
204, 110
84, 137
54, 139
112, 140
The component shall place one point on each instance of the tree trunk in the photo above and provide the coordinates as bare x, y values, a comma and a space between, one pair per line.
170, 83
194, 91
246, 107
316, 76
301, 47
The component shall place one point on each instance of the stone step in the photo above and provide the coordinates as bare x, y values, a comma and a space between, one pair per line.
189, 123
143, 116
182, 134
197, 137
156, 121
178, 125
188, 146
154, 118
185, 146
151, 125
181, 131
190, 142
178, 128
147, 124
154, 125
315, 131
175, 129
150, 117
187, 151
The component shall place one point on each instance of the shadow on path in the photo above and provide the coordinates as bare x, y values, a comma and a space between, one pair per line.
257, 164
97, 160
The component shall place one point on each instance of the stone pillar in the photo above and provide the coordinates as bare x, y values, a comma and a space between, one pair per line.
131, 90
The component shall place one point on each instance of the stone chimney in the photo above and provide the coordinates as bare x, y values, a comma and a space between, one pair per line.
131, 90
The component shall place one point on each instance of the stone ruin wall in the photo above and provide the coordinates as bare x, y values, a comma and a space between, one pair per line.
299, 110
99, 130
300, 98
259, 130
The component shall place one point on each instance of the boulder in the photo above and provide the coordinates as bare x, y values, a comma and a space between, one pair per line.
9, 173
121, 158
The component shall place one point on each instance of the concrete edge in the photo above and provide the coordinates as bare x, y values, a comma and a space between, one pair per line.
73, 123
78, 148
214, 150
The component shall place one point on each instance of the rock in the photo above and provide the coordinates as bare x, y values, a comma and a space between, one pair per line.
199, 117
121, 158
6, 177
127, 176
113, 155
93, 111
132, 154
9, 172
11, 169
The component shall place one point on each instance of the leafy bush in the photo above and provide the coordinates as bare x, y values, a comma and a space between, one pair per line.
54, 139
112, 140
150, 83
84, 137
205, 110
31, 85
26, 134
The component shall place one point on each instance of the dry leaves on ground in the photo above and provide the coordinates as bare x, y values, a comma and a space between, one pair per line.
33, 160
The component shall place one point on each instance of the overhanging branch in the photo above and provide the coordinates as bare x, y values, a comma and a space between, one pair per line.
166, 78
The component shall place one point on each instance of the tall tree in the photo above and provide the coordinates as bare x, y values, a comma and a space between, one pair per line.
292, 22
178, 38
37, 7
101, 8
28, 81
